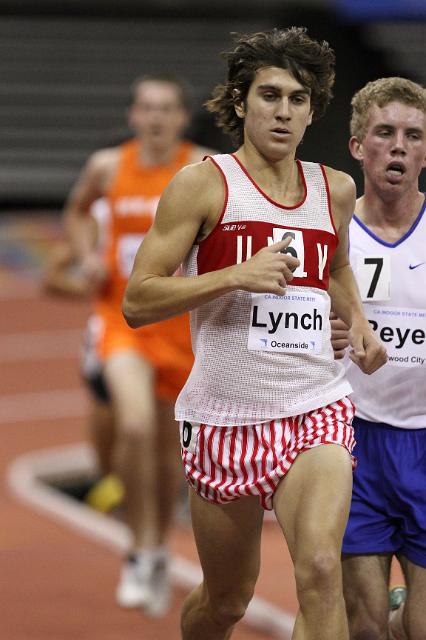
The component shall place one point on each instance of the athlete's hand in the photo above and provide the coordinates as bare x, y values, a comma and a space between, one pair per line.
367, 351
268, 271
94, 269
339, 336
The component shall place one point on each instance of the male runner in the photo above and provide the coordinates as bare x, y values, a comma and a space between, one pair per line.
388, 254
145, 369
265, 393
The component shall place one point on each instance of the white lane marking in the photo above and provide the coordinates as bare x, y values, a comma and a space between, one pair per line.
27, 477
43, 405
40, 345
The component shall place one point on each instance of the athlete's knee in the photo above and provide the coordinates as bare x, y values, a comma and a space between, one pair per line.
220, 611
134, 430
318, 572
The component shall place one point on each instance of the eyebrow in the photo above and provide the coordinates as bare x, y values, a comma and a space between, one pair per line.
384, 125
275, 87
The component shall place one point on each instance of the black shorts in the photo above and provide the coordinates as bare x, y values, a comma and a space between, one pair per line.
95, 380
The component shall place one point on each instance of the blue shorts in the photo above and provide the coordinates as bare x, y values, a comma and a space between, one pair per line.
388, 510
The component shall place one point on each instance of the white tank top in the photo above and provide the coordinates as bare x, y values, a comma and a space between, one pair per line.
260, 357
392, 282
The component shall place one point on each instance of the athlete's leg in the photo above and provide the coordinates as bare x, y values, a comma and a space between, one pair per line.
228, 543
365, 587
409, 621
102, 432
130, 380
169, 467
312, 506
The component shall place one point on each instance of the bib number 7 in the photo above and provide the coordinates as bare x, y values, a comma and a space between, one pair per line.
373, 276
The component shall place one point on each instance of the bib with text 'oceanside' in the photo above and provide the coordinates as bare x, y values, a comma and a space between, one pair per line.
292, 323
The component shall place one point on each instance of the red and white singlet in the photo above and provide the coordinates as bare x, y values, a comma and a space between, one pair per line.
260, 356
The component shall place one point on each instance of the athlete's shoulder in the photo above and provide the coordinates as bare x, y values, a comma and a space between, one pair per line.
197, 177
342, 187
340, 183
195, 192
104, 160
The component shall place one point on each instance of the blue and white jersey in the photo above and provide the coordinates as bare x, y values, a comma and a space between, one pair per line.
392, 283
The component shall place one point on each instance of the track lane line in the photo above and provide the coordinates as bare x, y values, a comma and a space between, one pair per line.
27, 476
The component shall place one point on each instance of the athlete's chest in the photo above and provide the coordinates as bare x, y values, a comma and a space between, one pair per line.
391, 280
390, 273
135, 194
233, 243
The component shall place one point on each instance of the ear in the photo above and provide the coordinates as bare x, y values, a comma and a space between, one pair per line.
238, 104
355, 147
310, 118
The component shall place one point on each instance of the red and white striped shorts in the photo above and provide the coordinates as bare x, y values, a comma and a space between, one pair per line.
226, 463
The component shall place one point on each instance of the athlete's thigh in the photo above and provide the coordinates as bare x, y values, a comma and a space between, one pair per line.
316, 489
168, 427
167, 434
131, 382
228, 543
365, 588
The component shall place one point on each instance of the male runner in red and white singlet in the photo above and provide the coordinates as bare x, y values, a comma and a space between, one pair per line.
262, 237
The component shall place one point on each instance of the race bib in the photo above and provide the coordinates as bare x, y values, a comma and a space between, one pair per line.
374, 277
403, 333
189, 435
127, 248
292, 323
296, 248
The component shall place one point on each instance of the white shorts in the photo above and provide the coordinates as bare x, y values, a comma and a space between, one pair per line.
225, 463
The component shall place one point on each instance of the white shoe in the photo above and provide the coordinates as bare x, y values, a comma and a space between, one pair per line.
158, 601
132, 588
145, 583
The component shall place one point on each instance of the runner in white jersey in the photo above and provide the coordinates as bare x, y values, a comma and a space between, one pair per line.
388, 256
265, 393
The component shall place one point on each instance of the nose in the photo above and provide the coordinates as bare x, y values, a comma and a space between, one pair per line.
398, 143
283, 109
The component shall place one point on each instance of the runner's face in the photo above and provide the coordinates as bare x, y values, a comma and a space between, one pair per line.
393, 151
157, 114
276, 113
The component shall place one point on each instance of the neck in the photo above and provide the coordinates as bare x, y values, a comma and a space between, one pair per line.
389, 218
152, 154
279, 179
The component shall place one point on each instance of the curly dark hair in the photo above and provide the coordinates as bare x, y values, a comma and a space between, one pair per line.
309, 61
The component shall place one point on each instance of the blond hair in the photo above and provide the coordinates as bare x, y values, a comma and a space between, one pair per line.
380, 92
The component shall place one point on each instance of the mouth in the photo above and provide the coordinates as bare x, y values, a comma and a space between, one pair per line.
156, 129
395, 169
281, 131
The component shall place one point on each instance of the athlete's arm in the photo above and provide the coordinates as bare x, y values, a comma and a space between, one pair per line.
60, 277
339, 336
188, 210
367, 351
91, 185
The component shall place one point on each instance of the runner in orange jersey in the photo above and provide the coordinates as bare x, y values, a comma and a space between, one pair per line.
144, 369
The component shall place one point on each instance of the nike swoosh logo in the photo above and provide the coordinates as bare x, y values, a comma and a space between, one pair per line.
414, 266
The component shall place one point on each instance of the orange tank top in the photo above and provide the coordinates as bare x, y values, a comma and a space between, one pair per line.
133, 197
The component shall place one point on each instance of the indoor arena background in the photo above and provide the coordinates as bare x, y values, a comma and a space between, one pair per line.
65, 69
